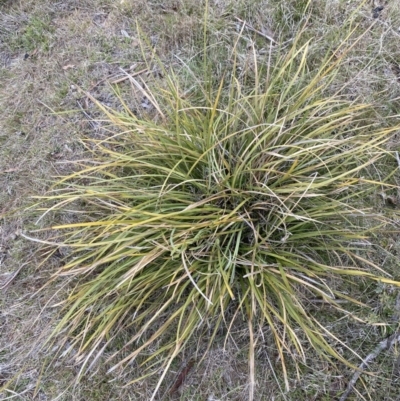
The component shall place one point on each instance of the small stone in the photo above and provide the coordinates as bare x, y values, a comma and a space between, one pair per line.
376, 11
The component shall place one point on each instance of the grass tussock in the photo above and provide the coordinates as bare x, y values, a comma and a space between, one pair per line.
241, 198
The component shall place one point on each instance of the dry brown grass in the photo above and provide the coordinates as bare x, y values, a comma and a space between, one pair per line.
49, 48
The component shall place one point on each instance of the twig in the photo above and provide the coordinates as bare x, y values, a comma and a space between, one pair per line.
12, 277
135, 74
181, 377
117, 80
382, 346
256, 30
329, 303
101, 81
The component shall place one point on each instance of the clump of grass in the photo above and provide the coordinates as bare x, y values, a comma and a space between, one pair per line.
234, 200
35, 35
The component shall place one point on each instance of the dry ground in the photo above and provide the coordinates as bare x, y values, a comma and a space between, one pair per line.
47, 50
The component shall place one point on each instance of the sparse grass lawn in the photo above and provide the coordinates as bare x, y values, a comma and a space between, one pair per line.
48, 50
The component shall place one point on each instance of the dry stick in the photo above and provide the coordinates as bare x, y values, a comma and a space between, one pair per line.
117, 80
382, 346
257, 31
12, 277
124, 78
182, 376
101, 81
